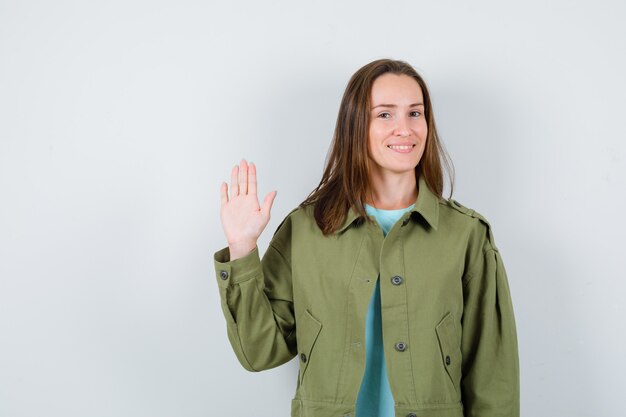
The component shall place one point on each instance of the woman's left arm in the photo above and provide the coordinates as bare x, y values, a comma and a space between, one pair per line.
490, 369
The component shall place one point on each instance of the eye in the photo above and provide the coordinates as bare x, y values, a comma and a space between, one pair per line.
384, 113
416, 113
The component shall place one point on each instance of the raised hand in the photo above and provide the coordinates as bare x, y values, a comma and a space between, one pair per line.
242, 218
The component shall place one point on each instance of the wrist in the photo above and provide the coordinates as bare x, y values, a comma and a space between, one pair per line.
240, 249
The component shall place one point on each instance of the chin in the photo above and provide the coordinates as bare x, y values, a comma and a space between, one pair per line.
402, 169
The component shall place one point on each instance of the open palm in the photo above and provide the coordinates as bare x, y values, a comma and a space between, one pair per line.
243, 219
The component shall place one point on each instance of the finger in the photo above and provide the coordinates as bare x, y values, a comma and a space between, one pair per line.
224, 192
252, 178
268, 201
234, 183
243, 178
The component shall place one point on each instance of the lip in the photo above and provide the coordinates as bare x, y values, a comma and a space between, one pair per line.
400, 144
413, 145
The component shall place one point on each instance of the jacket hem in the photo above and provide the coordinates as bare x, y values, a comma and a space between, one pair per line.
309, 408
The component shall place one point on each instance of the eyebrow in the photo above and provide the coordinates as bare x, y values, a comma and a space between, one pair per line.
393, 105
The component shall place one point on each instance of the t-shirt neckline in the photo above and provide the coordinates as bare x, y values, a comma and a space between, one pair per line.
388, 211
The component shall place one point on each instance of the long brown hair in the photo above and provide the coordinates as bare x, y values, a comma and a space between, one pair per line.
345, 181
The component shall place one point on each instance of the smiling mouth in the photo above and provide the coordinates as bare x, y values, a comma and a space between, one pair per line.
403, 147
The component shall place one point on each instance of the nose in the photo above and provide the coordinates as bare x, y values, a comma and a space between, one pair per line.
402, 127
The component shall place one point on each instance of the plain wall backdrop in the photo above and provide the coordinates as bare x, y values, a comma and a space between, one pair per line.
120, 119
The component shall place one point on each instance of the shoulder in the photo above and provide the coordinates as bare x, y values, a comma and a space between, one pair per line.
298, 224
480, 226
298, 215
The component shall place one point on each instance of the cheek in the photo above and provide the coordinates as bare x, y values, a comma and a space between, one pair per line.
422, 128
377, 133
372, 138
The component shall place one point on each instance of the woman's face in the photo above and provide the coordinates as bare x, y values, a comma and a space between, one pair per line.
398, 129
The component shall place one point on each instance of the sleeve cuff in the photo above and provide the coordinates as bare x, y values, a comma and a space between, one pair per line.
229, 272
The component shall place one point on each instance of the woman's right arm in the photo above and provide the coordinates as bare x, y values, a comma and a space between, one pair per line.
256, 295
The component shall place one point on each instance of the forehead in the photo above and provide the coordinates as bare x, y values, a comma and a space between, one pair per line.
394, 88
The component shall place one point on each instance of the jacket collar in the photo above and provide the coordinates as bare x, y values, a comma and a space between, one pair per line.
427, 205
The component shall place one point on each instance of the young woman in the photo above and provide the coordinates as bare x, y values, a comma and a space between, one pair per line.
394, 299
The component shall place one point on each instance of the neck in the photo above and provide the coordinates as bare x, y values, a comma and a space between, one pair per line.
392, 192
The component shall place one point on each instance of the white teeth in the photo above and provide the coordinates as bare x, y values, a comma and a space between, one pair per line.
400, 147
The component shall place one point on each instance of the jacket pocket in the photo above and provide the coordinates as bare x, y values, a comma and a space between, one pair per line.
450, 349
308, 329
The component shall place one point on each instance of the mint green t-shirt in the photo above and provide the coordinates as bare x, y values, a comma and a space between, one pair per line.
375, 398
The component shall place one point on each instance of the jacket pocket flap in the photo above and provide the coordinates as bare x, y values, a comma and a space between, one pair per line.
450, 350
308, 329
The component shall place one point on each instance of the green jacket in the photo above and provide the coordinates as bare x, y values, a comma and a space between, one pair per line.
448, 324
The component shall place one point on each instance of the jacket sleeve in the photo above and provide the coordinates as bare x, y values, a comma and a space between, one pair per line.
257, 302
490, 366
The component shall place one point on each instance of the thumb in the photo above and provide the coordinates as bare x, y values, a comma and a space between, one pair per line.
268, 201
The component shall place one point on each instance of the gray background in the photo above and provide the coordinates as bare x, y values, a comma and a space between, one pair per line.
120, 119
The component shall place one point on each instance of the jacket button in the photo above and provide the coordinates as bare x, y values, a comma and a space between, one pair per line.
397, 280
447, 359
303, 357
223, 274
400, 346
411, 415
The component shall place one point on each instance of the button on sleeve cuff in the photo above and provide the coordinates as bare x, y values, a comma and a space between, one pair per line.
229, 272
